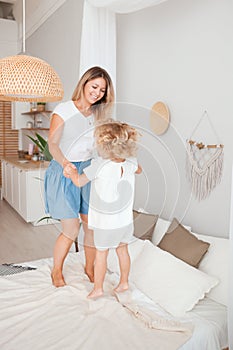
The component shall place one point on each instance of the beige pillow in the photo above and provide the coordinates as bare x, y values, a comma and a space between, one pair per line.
144, 225
182, 244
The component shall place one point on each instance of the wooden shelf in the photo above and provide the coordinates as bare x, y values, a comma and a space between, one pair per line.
36, 112
34, 115
34, 128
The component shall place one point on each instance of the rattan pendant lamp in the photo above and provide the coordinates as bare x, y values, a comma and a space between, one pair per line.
27, 78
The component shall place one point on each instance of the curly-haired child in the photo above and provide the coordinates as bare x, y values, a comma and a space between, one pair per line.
111, 200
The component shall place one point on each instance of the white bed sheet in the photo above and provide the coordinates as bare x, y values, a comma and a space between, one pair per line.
23, 328
208, 317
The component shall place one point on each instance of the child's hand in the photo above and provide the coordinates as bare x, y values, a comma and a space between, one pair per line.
69, 170
139, 169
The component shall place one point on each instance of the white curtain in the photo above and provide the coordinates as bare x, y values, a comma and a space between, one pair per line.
98, 40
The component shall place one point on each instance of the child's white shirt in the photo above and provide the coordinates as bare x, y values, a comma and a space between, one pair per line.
112, 193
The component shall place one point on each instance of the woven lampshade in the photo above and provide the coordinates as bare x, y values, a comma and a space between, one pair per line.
27, 78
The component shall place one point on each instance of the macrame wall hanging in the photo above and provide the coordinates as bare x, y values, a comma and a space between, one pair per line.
204, 164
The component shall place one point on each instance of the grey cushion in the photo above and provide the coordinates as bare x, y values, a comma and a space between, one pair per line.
144, 225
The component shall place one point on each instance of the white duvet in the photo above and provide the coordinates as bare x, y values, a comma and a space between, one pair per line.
35, 315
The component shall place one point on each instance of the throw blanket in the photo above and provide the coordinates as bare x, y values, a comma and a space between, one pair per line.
150, 318
36, 315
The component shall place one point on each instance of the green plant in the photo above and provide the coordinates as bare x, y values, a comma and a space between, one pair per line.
45, 218
42, 145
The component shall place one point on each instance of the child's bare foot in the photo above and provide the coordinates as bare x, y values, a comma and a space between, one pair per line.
90, 274
122, 287
95, 293
57, 278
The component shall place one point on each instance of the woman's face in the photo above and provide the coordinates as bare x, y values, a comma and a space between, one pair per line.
94, 90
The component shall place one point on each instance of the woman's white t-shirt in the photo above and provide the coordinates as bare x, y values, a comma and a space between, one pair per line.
77, 140
112, 193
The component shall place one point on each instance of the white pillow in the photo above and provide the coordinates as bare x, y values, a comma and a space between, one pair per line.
168, 281
216, 263
134, 250
161, 228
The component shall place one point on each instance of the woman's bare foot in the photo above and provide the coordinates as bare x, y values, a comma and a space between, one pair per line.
90, 274
122, 287
95, 293
57, 278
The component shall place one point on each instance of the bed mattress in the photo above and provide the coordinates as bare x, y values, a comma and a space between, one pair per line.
36, 315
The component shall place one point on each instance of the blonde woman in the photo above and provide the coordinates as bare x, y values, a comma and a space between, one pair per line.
71, 141
111, 199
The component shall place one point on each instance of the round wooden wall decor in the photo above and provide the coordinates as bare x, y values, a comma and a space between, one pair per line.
159, 118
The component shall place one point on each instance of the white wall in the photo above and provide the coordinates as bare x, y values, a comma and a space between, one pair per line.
8, 38
57, 42
179, 52
230, 309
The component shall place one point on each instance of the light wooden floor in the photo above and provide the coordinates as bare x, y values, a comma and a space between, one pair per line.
21, 241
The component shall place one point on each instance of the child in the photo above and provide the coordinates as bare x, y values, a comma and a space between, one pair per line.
111, 199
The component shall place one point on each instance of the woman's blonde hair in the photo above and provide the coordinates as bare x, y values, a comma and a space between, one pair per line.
101, 109
116, 140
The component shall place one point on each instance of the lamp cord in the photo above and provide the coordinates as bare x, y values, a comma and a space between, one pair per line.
23, 47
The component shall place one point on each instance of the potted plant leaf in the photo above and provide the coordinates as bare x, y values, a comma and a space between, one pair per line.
42, 145
41, 106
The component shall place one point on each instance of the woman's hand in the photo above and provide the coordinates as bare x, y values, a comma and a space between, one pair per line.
69, 169
66, 162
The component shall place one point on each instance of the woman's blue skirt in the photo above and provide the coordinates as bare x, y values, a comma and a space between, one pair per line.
64, 200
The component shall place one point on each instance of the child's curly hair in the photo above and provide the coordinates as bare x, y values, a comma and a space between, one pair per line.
116, 140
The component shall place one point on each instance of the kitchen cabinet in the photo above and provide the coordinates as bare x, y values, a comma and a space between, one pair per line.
7, 189
15, 187
23, 188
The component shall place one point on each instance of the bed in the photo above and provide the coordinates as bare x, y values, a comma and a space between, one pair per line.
36, 315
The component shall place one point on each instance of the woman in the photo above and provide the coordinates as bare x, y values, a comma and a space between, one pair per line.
71, 141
